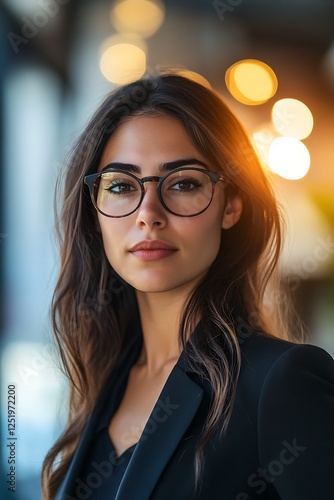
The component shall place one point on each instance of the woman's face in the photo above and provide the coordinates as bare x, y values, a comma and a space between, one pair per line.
184, 247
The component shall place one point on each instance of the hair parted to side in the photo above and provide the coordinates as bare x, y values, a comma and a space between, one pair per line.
91, 304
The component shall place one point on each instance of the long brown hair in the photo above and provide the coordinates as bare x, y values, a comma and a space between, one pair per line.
91, 303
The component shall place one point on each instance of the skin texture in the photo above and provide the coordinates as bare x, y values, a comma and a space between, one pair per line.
148, 142
162, 285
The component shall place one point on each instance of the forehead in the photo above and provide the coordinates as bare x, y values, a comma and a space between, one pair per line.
150, 141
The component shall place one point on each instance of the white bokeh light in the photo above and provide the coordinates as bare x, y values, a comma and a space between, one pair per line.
292, 118
289, 158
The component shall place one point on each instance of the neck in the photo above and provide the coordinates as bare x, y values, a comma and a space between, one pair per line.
160, 315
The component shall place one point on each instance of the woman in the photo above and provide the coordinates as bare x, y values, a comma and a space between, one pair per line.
170, 239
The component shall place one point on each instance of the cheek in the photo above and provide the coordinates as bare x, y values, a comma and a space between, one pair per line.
111, 237
211, 242
204, 237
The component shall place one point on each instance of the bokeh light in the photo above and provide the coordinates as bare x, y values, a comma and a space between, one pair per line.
251, 81
262, 139
289, 158
292, 118
143, 17
123, 59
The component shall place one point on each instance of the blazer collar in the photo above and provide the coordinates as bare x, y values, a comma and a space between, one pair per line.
171, 416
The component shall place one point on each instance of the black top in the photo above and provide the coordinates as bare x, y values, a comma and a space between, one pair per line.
103, 471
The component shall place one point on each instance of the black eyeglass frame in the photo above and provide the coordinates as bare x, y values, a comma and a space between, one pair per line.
91, 179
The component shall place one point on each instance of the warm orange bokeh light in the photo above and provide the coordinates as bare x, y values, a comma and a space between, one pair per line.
251, 82
123, 59
143, 17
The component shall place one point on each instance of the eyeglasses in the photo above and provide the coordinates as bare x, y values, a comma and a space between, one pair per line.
186, 191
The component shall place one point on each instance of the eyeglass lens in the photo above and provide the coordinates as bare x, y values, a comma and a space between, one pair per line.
186, 193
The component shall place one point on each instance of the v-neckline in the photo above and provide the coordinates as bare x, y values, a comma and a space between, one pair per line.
127, 451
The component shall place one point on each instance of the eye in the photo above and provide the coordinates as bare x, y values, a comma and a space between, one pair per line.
185, 184
120, 187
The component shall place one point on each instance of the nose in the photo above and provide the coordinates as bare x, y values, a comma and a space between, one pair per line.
151, 213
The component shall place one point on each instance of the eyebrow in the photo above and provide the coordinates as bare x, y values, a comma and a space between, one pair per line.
163, 167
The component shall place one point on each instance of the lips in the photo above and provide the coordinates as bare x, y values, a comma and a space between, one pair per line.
152, 250
152, 245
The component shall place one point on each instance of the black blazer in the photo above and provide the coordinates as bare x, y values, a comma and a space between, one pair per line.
279, 442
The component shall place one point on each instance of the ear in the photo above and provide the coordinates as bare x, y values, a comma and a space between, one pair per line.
232, 211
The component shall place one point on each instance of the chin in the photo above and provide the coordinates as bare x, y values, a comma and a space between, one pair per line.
158, 282
150, 288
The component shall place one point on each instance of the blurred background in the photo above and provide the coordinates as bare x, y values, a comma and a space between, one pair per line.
272, 60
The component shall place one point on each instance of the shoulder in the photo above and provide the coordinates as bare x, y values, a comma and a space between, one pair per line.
293, 386
266, 353
272, 367
299, 373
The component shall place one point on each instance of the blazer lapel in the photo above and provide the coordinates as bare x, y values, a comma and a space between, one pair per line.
121, 371
170, 418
